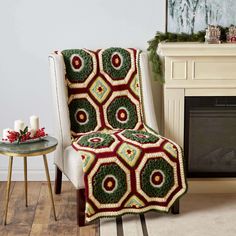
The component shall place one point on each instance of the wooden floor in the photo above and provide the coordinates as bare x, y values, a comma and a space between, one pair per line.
37, 218
214, 216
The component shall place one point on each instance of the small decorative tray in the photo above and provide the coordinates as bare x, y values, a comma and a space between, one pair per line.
27, 141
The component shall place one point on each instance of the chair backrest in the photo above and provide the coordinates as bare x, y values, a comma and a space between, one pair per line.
103, 89
60, 96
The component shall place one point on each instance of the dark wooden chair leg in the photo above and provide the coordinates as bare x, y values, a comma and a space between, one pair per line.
175, 208
80, 207
58, 181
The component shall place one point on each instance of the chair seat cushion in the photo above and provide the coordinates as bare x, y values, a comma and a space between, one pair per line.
73, 167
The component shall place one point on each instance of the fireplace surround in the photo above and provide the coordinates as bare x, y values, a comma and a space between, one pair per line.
203, 71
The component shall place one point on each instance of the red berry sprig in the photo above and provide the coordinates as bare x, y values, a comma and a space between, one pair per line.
13, 136
24, 135
40, 133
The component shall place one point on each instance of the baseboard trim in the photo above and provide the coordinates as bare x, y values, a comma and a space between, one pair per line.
212, 186
33, 175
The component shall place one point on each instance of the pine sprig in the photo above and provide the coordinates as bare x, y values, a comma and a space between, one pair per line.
23, 133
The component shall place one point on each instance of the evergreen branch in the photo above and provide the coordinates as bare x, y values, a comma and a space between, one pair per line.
154, 58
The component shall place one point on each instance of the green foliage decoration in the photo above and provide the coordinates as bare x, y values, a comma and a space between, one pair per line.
173, 37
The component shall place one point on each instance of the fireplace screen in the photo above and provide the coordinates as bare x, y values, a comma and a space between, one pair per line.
210, 136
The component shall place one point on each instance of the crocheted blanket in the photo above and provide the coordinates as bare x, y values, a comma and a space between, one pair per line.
128, 168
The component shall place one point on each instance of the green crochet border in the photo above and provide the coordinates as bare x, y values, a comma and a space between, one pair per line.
82, 103
114, 106
120, 73
78, 76
107, 140
109, 198
146, 173
130, 135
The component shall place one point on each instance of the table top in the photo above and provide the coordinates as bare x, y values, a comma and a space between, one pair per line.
42, 147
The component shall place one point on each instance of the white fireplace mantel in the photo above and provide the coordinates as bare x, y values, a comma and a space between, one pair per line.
194, 69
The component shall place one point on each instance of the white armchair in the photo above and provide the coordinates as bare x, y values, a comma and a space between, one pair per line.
66, 158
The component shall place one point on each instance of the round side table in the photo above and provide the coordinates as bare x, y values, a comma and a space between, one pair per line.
25, 150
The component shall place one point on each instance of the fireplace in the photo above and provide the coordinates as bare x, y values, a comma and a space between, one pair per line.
210, 136
202, 71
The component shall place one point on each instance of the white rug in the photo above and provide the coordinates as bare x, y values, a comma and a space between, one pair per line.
200, 215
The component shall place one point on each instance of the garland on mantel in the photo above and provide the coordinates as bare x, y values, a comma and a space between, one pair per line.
173, 37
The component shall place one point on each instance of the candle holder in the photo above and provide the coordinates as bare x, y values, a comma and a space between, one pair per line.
24, 136
22, 133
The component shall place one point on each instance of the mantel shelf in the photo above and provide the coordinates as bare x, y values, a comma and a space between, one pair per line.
196, 49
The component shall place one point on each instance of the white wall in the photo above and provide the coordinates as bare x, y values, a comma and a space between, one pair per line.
30, 30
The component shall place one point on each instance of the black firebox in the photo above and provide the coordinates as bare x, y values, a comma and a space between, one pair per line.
210, 136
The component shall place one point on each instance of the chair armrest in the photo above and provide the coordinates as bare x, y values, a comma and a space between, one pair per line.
148, 105
61, 111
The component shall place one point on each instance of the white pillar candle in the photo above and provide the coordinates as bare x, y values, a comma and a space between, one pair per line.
34, 122
19, 125
5, 133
